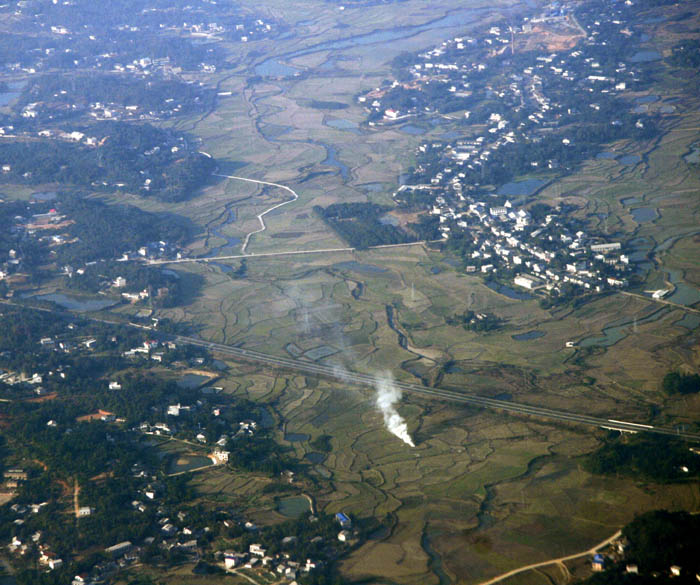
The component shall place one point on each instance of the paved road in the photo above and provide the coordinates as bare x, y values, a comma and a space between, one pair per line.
560, 560
660, 301
472, 399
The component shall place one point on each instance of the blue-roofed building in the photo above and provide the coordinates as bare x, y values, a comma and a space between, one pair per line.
598, 563
343, 520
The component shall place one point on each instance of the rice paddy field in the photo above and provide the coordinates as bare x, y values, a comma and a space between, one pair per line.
481, 493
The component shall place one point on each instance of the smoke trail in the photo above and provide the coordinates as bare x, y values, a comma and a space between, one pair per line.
387, 396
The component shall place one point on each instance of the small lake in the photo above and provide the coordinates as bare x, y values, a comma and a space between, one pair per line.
45, 195
644, 214
192, 381
606, 156
684, 294
534, 334
76, 303
647, 99
690, 321
342, 124
509, 292
522, 188
315, 457
411, 129
296, 437
178, 464
629, 159
645, 56
15, 87
293, 507
320, 352
360, 267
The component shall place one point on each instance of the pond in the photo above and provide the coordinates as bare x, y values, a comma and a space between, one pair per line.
629, 159
606, 156
296, 437
690, 321
315, 457
389, 219
342, 124
693, 157
192, 381
534, 334
645, 56
667, 109
181, 463
519, 188
45, 195
359, 267
647, 99
509, 292
320, 352
684, 294
293, 507
629, 200
644, 214
453, 369
8, 97
411, 129
76, 303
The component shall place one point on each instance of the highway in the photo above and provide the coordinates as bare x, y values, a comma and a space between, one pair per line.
472, 399
343, 375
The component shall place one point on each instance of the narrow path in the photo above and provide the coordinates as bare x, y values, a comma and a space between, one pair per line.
263, 227
291, 253
76, 493
559, 561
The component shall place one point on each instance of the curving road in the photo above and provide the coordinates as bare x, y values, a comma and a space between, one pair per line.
263, 227
560, 560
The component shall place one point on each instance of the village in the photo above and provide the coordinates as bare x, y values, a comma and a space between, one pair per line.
518, 120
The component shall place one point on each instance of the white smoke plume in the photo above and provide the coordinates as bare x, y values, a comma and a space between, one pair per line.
387, 397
